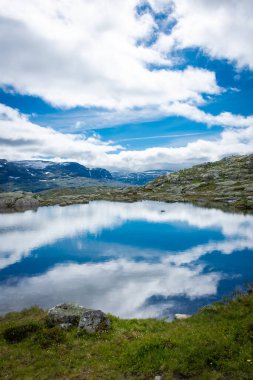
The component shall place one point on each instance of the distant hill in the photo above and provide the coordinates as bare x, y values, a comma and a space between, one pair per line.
138, 178
40, 175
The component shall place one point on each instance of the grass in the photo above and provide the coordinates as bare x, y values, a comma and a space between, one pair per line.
216, 343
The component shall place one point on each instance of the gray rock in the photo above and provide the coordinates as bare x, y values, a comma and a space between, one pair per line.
72, 315
182, 316
93, 321
65, 314
26, 203
65, 326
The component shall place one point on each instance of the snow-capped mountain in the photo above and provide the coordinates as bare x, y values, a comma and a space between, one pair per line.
41, 175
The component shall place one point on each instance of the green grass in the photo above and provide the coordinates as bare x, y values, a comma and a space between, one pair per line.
216, 343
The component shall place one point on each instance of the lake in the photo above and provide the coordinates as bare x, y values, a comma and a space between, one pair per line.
134, 260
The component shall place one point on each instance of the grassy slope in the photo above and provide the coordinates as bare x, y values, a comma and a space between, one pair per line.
214, 344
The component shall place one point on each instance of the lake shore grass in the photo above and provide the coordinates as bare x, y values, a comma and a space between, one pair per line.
216, 343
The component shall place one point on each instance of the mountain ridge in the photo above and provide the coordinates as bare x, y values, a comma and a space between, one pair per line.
39, 175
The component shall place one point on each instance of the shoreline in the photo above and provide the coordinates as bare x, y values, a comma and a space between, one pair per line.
22, 201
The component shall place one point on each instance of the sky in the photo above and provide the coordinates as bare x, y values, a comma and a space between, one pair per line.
126, 85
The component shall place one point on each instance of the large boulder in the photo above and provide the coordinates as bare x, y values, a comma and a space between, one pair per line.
72, 315
65, 314
93, 321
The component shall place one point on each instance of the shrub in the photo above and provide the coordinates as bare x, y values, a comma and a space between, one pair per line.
18, 333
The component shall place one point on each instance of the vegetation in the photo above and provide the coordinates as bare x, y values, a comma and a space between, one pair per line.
216, 343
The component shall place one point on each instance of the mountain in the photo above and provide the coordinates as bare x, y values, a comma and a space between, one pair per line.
41, 175
138, 178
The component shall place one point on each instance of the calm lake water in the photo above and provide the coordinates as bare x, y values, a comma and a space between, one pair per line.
144, 259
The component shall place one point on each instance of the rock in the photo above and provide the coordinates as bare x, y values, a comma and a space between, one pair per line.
65, 314
26, 203
158, 377
65, 326
93, 321
72, 315
182, 316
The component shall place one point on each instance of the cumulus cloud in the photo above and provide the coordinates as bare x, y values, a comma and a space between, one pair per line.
32, 141
94, 53
104, 54
223, 29
89, 54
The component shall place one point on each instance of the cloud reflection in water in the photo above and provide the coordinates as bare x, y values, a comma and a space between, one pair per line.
122, 285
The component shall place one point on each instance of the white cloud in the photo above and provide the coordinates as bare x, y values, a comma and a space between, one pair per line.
21, 139
223, 29
87, 53
225, 119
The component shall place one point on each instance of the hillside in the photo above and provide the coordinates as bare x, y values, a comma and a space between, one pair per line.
228, 181
216, 343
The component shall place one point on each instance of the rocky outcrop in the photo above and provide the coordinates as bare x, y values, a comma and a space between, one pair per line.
26, 203
18, 201
227, 183
72, 315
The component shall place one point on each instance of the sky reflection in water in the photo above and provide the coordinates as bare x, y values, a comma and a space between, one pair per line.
128, 259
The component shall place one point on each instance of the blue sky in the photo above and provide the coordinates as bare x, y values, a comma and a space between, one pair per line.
134, 86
